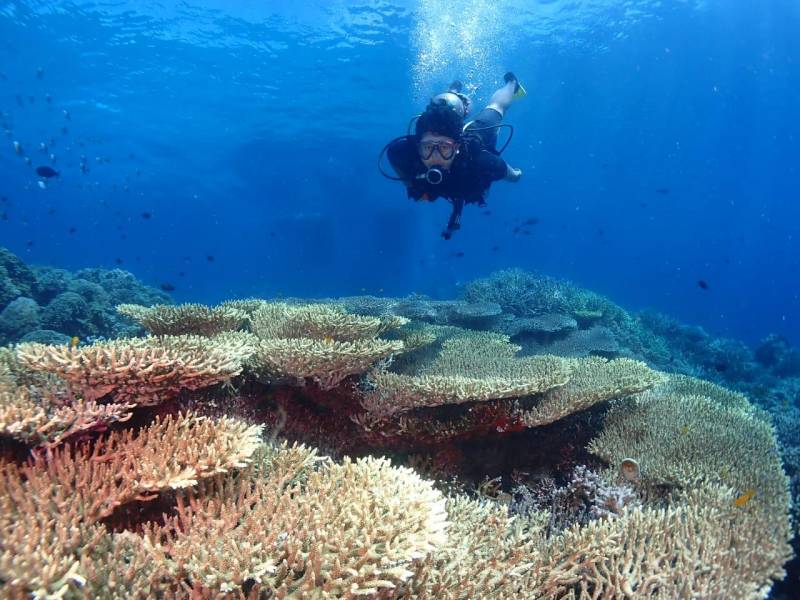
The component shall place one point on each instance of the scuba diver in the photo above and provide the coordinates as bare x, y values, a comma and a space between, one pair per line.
447, 158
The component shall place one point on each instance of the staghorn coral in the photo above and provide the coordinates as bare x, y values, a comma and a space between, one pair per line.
354, 529
326, 362
488, 554
687, 442
40, 421
50, 507
701, 546
185, 319
144, 371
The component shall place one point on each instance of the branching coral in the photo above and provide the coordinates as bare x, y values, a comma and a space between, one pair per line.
319, 342
591, 380
326, 362
50, 507
476, 366
142, 371
689, 442
185, 319
318, 321
343, 530
40, 421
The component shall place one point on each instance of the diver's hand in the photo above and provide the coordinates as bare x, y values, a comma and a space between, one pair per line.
513, 175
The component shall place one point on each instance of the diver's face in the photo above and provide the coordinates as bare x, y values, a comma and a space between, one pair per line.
437, 151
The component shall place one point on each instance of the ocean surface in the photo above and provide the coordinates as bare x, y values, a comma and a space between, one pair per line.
229, 148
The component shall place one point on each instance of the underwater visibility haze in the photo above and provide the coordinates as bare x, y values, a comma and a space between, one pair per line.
607, 348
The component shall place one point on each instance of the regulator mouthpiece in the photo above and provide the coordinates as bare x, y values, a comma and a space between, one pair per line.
434, 176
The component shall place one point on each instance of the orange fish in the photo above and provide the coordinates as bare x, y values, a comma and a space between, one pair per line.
744, 498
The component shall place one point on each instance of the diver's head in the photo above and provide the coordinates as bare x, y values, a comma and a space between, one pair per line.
456, 101
438, 135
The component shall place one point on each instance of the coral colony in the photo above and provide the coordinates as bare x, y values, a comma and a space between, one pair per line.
528, 440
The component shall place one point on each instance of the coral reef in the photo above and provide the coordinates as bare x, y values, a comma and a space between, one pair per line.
38, 300
558, 451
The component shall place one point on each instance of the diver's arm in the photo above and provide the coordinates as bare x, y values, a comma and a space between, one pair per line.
496, 168
513, 175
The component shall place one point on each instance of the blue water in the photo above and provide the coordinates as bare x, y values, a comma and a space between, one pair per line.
659, 143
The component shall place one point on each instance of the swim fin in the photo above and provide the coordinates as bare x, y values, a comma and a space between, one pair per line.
519, 91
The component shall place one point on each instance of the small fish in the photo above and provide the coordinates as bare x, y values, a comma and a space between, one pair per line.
66, 115
40, 72
72, 230
515, 230
74, 341
167, 287
487, 212
46, 172
210, 258
146, 215
328, 339
495, 248
17, 148
663, 191
42, 184
4, 216
531, 221
118, 261
181, 274
685, 430
702, 284
29, 243
458, 254
745, 498
4, 199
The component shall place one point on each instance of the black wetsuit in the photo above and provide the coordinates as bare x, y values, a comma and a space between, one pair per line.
473, 171
469, 178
